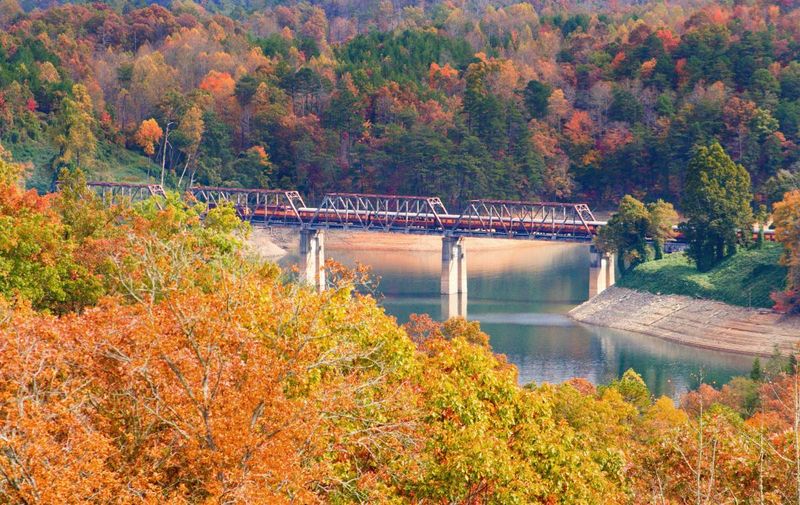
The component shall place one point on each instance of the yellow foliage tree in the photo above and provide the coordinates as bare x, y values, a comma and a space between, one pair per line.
74, 132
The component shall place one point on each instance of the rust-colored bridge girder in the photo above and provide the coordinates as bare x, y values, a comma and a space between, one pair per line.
265, 207
379, 212
545, 220
117, 192
395, 213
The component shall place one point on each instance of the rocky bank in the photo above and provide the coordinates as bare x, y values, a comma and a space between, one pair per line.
702, 323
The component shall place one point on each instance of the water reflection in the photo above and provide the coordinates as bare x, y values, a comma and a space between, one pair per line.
520, 294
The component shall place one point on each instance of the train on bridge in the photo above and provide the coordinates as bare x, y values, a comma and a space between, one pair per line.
408, 214
569, 222
424, 222
572, 222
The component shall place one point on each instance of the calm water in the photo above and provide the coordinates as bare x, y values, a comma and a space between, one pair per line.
520, 295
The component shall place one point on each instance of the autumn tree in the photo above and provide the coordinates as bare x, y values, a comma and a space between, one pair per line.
9, 9
188, 137
148, 135
464, 460
38, 259
147, 81
557, 107
786, 215
663, 219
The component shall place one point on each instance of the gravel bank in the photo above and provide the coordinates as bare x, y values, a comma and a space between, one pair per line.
700, 323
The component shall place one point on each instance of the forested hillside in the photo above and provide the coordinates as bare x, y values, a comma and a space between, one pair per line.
457, 99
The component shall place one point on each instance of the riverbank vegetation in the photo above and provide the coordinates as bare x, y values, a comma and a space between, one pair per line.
722, 261
147, 356
717, 204
637, 232
748, 278
760, 275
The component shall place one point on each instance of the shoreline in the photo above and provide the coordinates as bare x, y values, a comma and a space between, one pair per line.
700, 323
705, 324
277, 242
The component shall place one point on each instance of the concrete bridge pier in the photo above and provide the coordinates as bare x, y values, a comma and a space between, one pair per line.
454, 305
312, 258
454, 266
602, 272
611, 270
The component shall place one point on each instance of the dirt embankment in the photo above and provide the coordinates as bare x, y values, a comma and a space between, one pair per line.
701, 323
271, 244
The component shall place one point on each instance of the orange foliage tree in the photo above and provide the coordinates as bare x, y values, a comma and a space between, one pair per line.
148, 135
199, 381
787, 230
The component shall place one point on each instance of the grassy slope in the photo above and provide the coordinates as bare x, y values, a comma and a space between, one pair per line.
112, 163
746, 279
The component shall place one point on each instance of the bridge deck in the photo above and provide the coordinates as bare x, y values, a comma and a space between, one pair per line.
570, 222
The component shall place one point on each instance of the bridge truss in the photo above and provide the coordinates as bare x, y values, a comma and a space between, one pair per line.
408, 214
112, 193
544, 220
260, 207
379, 212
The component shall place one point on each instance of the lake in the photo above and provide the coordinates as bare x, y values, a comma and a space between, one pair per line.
520, 293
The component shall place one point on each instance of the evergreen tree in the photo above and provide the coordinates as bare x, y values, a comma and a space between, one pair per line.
761, 217
757, 373
716, 201
624, 107
790, 368
536, 95
626, 232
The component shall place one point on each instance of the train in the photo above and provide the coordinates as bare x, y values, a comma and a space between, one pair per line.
458, 224
570, 224
413, 214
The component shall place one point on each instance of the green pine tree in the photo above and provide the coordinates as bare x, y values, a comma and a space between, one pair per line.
716, 201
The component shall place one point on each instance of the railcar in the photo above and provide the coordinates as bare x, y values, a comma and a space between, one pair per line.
550, 226
337, 218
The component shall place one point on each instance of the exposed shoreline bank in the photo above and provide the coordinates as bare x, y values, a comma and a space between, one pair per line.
276, 242
690, 321
706, 324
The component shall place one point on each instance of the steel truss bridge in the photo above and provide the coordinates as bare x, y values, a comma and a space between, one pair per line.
386, 213
114, 192
266, 208
572, 222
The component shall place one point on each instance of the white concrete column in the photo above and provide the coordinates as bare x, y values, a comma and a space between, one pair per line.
454, 305
598, 271
462, 272
611, 270
312, 257
454, 266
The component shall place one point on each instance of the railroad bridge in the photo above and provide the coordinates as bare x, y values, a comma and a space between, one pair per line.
550, 221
